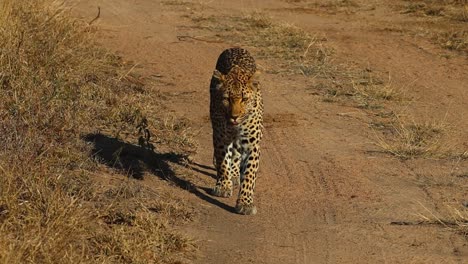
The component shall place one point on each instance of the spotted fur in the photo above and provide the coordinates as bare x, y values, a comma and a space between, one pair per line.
236, 110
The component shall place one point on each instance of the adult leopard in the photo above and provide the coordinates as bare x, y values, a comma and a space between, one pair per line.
236, 111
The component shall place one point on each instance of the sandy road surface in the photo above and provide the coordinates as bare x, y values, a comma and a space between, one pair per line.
322, 195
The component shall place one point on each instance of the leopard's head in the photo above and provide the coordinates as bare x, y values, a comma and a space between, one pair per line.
239, 90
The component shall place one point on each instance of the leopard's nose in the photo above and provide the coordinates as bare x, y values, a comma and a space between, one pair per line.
233, 120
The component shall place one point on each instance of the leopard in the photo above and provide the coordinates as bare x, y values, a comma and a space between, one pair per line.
236, 113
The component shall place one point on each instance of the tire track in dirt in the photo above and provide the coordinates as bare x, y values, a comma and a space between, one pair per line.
309, 173
306, 177
294, 188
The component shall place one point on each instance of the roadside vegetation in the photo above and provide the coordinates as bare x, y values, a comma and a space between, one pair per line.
75, 125
442, 21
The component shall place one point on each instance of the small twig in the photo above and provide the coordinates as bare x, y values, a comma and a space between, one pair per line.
97, 17
406, 223
129, 71
312, 42
436, 222
185, 37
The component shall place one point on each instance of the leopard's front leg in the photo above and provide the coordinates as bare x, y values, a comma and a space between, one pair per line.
235, 164
223, 187
245, 201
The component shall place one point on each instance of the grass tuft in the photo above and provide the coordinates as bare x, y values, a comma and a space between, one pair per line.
414, 140
363, 87
457, 40
453, 218
418, 140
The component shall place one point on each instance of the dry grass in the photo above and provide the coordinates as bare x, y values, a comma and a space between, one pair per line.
57, 87
335, 6
302, 52
140, 226
452, 9
295, 50
414, 140
408, 140
180, 3
327, 6
446, 21
364, 87
453, 218
453, 40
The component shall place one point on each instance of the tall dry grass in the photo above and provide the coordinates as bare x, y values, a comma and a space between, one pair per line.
56, 85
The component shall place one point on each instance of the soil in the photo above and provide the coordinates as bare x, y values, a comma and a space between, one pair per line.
325, 194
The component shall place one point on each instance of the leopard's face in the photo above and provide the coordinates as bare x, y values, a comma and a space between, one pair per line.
238, 94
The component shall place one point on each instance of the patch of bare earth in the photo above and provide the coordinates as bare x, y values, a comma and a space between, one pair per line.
364, 157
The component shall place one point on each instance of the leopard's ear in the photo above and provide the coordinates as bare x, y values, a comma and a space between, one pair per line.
255, 80
218, 75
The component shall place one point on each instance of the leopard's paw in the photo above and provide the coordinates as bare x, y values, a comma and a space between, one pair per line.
246, 209
221, 191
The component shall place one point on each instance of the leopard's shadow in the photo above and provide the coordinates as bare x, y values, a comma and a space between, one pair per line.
134, 161
203, 169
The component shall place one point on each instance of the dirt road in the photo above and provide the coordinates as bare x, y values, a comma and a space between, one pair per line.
324, 194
